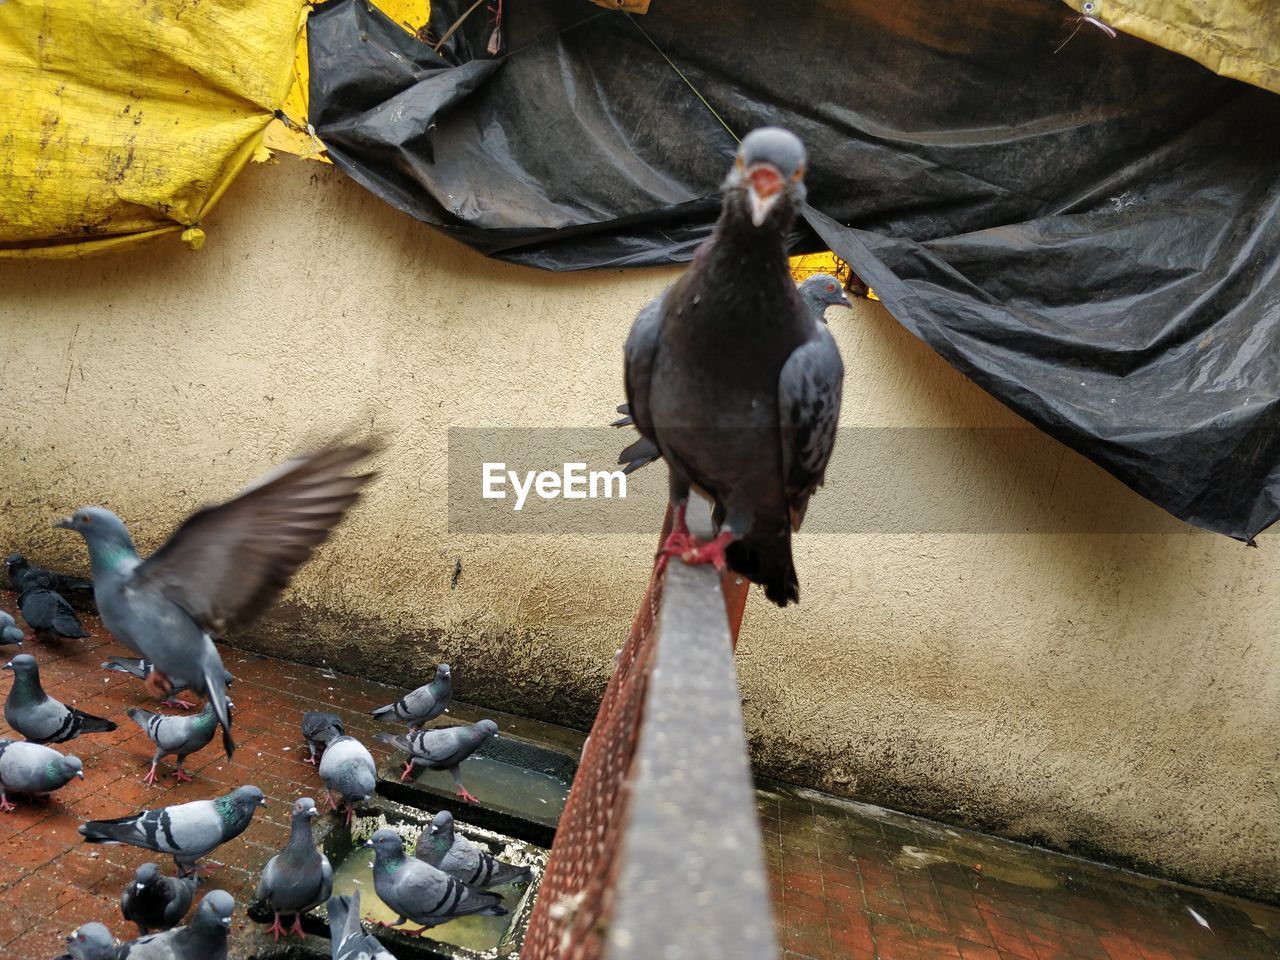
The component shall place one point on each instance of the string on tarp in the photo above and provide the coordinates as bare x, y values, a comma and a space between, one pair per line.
681, 74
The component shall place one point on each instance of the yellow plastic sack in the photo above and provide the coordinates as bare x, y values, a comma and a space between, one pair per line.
1234, 38
124, 119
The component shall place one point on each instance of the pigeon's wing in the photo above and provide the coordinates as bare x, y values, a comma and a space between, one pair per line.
326, 879
267, 882
639, 454
809, 408
638, 356
228, 562
443, 748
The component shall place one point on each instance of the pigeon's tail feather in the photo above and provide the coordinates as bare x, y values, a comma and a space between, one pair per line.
639, 454
87, 723
122, 830
125, 665
480, 902
767, 561
386, 711
509, 873
139, 716
395, 740
66, 623
215, 685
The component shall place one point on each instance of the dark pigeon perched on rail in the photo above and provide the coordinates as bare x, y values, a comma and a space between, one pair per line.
423, 704
818, 291
33, 769
142, 668
442, 749
347, 937
319, 729
156, 902
219, 570
187, 831
25, 575
204, 938
298, 878
733, 381
463, 859
421, 893
9, 632
92, 941
39, 717
175, 736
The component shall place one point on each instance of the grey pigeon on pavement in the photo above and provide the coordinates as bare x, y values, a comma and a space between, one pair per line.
25, 575
419, 892
204, 938
347, 769
47, 612
187, 831
9, 632
442, 749
181, 736
142, 668
347, 937
156, 902
218, 571
422, 705
818, 291
318, 729
92, 941
33, 769
39, 717
299, 877
733, 381
463, 859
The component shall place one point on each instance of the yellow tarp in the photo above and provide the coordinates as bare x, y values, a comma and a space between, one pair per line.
1235, 38
124, 119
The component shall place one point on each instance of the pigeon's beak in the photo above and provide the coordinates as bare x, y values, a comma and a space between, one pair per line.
225, 921
80, 774
139, 887
367, 843
7, 666
433, 829
66, 523
764, 187
313, 812
262, 802
844, 301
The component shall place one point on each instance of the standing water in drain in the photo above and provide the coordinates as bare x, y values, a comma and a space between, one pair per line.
537, 795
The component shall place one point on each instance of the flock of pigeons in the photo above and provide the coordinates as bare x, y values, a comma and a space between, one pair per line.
732, 378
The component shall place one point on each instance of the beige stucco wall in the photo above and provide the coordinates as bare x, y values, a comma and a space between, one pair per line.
1109, 691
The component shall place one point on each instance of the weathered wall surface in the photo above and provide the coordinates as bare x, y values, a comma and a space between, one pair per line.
1115, 692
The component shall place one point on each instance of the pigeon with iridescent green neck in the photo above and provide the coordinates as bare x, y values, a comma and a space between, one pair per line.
463, 859
39, 717
219, 570
187, 831
180, 736
422, 705
33, 769
9, 632
419, 892
299, 877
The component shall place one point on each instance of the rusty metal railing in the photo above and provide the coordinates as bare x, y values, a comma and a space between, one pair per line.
658, 852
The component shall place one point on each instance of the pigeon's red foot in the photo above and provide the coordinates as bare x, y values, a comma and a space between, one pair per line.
177, 703
182, 776
150, 778
277, 929
313, 760
351, 813
158, 685
6, 806
677, 544
711, 552
297, 926
329, 796
408, 769
465, 794
421, 931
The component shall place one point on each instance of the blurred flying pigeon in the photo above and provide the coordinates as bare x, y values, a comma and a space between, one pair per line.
319, 729
217, 571
24, 575
9, 632
347, 937
142, 668
181, 736
204, 938
39, 717
156, 902
462, 859
298, 878
442, 749
419, 892
33, 769
818, 291
422, 705
733, 381
92, 941
188, 831
347, 769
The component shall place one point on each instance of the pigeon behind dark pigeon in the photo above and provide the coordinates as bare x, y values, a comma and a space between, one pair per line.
156, 902
423, 704
92, 941
318, 729
818, 291
9, 632
299, 877
204, 938
187, 831
419, 892
143, 668
33, 769
442, 749
218, 571
733, 381
39, 717
47, 612
180, 736
347, 937
25, 575
463, 859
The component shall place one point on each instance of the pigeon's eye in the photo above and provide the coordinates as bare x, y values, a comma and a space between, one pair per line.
84, 519
831, 288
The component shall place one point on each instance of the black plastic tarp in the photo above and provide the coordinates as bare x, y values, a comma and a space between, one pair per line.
1090, 233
